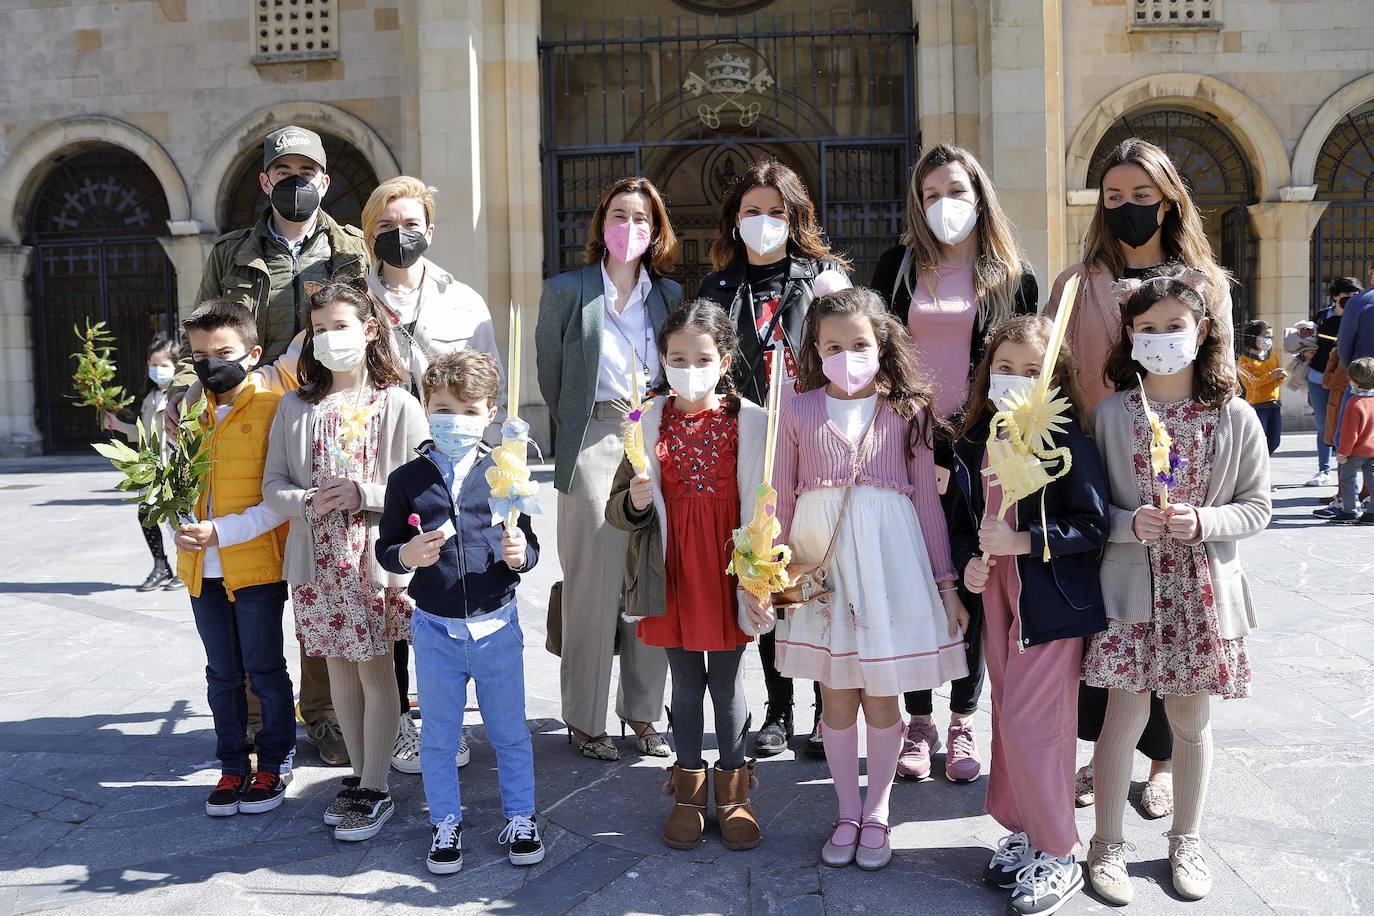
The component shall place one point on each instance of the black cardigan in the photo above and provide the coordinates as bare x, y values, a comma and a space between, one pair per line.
885, 278
1061, 598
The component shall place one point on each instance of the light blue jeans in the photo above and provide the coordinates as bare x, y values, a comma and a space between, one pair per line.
446, 656
1317, 397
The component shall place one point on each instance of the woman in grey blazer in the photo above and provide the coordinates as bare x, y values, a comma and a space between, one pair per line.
596, 326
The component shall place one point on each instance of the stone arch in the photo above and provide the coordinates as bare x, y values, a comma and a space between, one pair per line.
21, 174
250, 131
1245, 120
1344, 100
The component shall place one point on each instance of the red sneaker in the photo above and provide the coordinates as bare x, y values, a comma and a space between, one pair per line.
921, 741
224, 799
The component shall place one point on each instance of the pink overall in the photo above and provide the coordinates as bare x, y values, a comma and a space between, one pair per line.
1034, 715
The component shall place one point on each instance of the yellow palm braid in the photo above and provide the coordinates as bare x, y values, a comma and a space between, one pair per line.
1020, 468
761, 565
1160, 440
634, 446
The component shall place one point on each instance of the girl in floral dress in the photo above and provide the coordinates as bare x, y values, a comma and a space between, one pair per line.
1178, 606
706, 452
333, 444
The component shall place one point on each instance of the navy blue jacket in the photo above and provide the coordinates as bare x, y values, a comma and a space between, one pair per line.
470, 578
1060, 598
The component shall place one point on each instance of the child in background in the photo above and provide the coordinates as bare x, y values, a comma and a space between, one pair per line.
705, 448
1037, 611
1355, 448
231, 561
162, 353
334, 442
466, 623
1178, 605
855, 472
1262, 378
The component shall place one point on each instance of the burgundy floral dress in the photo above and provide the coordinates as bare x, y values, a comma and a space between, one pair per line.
697, 453
1179, 650
341, 614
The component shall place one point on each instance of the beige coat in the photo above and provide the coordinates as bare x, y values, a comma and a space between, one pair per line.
286, 480
1237, 506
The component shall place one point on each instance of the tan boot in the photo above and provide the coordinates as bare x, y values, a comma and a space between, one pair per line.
738, 827
687, 820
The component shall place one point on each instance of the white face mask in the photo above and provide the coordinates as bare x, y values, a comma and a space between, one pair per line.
1165, 354
161, 375
951, 219
342, 350
693, 382
763, 233
1000, 386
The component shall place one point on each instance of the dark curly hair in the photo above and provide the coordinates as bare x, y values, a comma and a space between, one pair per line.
383, 369
1214, 381
706, 317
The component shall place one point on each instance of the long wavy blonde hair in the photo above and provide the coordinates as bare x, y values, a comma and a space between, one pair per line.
997, 268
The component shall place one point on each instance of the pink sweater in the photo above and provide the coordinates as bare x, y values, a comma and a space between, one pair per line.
813, 455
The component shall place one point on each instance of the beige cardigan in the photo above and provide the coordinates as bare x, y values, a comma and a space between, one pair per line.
1237, 506
286, 478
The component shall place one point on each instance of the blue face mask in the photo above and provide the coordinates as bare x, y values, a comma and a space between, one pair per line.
456, 435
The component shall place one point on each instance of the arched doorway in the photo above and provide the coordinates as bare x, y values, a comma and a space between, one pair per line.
93, 225
1343, 242
351, 179
1217, 172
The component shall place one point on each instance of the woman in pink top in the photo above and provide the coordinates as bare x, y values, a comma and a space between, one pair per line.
956, 275
1144, 220
855, 472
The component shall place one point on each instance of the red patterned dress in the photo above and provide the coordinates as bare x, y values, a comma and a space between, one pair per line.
697, 453
1179, 650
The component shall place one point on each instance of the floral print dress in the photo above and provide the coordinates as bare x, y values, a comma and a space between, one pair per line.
341, 614
1179, 650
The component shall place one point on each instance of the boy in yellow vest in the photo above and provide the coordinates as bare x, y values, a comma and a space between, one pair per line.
230, 557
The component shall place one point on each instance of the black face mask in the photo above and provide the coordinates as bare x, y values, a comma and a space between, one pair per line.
295, 199
400, 247
219, 375
1134, 224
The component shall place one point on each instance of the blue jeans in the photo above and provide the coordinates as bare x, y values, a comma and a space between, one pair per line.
1354, 467
1271, 419
446, 656
244, 636
1318, 396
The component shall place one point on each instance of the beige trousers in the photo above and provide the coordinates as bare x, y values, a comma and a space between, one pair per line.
592, 554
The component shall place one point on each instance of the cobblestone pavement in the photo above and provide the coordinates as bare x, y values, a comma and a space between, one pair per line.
106, 746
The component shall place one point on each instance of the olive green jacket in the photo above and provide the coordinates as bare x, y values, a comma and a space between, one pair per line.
254, 267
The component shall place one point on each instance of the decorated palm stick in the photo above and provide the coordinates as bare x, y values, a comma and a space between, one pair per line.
759, 563
634, 414
512, 491
1165, 460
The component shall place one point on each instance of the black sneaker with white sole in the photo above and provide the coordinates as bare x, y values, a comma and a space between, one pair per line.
369, 811
772, 738
1013, 854
1045, 885
446, 848
521, 839
342, 803
265, 791
224, 797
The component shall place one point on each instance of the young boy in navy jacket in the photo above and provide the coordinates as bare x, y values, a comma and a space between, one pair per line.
438, 522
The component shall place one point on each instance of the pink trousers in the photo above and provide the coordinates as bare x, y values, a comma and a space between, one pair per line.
1034, 721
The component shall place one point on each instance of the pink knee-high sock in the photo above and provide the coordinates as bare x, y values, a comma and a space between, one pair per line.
842, 754
884, 746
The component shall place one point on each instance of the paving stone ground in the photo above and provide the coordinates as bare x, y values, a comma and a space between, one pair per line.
106, 754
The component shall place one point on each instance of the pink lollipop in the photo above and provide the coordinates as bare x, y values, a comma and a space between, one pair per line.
414, 520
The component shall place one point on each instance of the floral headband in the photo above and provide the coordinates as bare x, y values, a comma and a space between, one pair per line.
1190, 277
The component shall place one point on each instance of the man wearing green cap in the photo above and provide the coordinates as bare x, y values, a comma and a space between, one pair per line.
266, 267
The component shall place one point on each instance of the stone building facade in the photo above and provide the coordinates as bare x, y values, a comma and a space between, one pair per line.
129, 133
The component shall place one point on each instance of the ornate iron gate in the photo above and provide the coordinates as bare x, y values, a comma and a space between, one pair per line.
1343, 241
93, 227
689, 102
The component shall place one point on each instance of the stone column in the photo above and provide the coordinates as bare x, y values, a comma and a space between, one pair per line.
1022, 80
1078, 216
1283, 229
947, 72
19, 435
187, 254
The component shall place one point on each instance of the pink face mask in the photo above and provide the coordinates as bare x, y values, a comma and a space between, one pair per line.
851, 370
627, 241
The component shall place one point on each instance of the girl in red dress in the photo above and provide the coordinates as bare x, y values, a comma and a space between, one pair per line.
705, 447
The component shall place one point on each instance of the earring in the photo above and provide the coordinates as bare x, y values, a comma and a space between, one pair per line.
735, 233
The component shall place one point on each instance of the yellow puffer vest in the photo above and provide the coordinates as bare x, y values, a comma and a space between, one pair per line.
238, 452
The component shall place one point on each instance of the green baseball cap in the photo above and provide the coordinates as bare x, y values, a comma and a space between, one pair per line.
292, 141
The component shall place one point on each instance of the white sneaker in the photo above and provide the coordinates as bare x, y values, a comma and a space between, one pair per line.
464, 755
1322, 479
405, 753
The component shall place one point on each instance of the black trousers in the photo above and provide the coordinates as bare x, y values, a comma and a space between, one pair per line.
779, 687
1156, 742
966, 691
401, 656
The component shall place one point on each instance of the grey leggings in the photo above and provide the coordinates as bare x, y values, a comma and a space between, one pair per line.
693, 674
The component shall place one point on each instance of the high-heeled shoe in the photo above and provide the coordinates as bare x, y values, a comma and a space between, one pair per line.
649, 741
598, 748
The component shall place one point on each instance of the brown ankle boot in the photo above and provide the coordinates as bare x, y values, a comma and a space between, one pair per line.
687, 820
738, 827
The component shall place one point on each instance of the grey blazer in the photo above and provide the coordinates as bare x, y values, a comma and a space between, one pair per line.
567, 341
1237, 506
